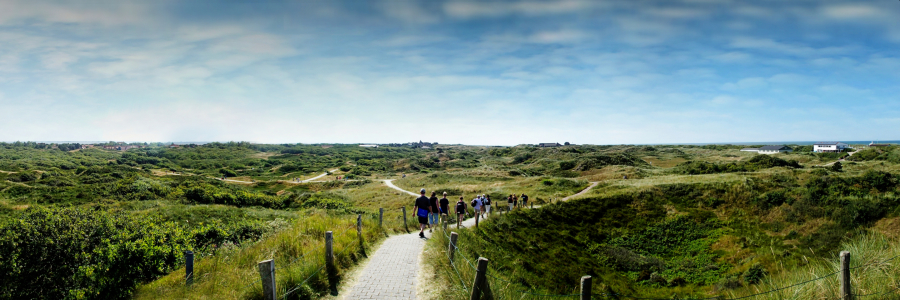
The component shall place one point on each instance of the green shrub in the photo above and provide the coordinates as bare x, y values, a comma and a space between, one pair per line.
227, 173
836, 167
84, 254
755, 274
567, 165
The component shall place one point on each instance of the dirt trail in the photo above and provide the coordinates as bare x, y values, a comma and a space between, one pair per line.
839, 160
390, 184
317, 177
593, 184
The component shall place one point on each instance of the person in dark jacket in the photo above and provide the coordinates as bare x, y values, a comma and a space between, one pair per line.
422, 207
460, 211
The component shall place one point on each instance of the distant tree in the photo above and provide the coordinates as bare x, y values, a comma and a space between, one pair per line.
567, 143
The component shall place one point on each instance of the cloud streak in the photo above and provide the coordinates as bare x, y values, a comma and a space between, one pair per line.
475, 72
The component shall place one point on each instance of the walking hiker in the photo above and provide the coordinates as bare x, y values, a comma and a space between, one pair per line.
422, 209
445, 205
435, 212
515, 201
461, 211
524, 201
476, 204
487, 204
509, 201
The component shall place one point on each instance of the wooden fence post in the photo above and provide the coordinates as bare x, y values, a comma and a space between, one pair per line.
380, 216
188, 267
404, 219
359, 231
453, 238
846, 291
329, 249
480, 288
476, 219
267, 272
586, 288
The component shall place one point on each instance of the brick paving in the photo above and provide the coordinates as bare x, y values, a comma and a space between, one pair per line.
391, 272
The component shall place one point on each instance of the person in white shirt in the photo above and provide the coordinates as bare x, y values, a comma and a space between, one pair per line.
477, 205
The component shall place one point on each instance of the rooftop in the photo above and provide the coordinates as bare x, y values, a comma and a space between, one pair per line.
773, 147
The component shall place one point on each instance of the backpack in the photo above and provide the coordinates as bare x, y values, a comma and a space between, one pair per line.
474, 202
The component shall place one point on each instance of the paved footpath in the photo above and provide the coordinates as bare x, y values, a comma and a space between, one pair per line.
392, 270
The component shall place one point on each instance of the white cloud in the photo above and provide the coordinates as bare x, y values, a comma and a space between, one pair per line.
472, 9
853, 11
559, 36
771, 45
105, 13
408, 11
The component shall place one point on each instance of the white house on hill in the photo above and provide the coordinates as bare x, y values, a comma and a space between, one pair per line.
769, 149
829, 147
774, 149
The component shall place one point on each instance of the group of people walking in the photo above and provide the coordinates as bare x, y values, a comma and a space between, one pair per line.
430, 209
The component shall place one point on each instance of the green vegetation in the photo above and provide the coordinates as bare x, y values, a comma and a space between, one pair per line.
755, 163
683, 221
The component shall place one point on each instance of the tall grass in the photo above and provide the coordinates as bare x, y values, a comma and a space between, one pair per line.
456, 279
874, 274
230, 272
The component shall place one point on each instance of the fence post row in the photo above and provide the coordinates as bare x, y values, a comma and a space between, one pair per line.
188, 267
267, 272
453, 237
480, 288
404, 219
586, 288
846, 291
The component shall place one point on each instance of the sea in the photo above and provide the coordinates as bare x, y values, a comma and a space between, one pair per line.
799, 143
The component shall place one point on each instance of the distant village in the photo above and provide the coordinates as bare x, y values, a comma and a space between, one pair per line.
818, 147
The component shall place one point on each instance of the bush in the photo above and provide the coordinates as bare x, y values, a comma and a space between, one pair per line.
227, 173
836, 167
84, 254
755, 274
567, 165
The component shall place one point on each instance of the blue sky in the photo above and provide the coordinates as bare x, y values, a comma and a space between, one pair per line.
471, 72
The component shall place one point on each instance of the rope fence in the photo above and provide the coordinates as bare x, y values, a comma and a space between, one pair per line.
268, 280
844, 280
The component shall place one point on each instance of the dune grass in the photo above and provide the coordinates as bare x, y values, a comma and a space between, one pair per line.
230, 272
875, 274
457, 278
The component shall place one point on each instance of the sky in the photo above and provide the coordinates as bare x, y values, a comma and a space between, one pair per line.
453, 72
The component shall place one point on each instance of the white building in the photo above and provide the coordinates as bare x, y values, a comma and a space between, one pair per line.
829, 147
775, 149
769, 149
368, 146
